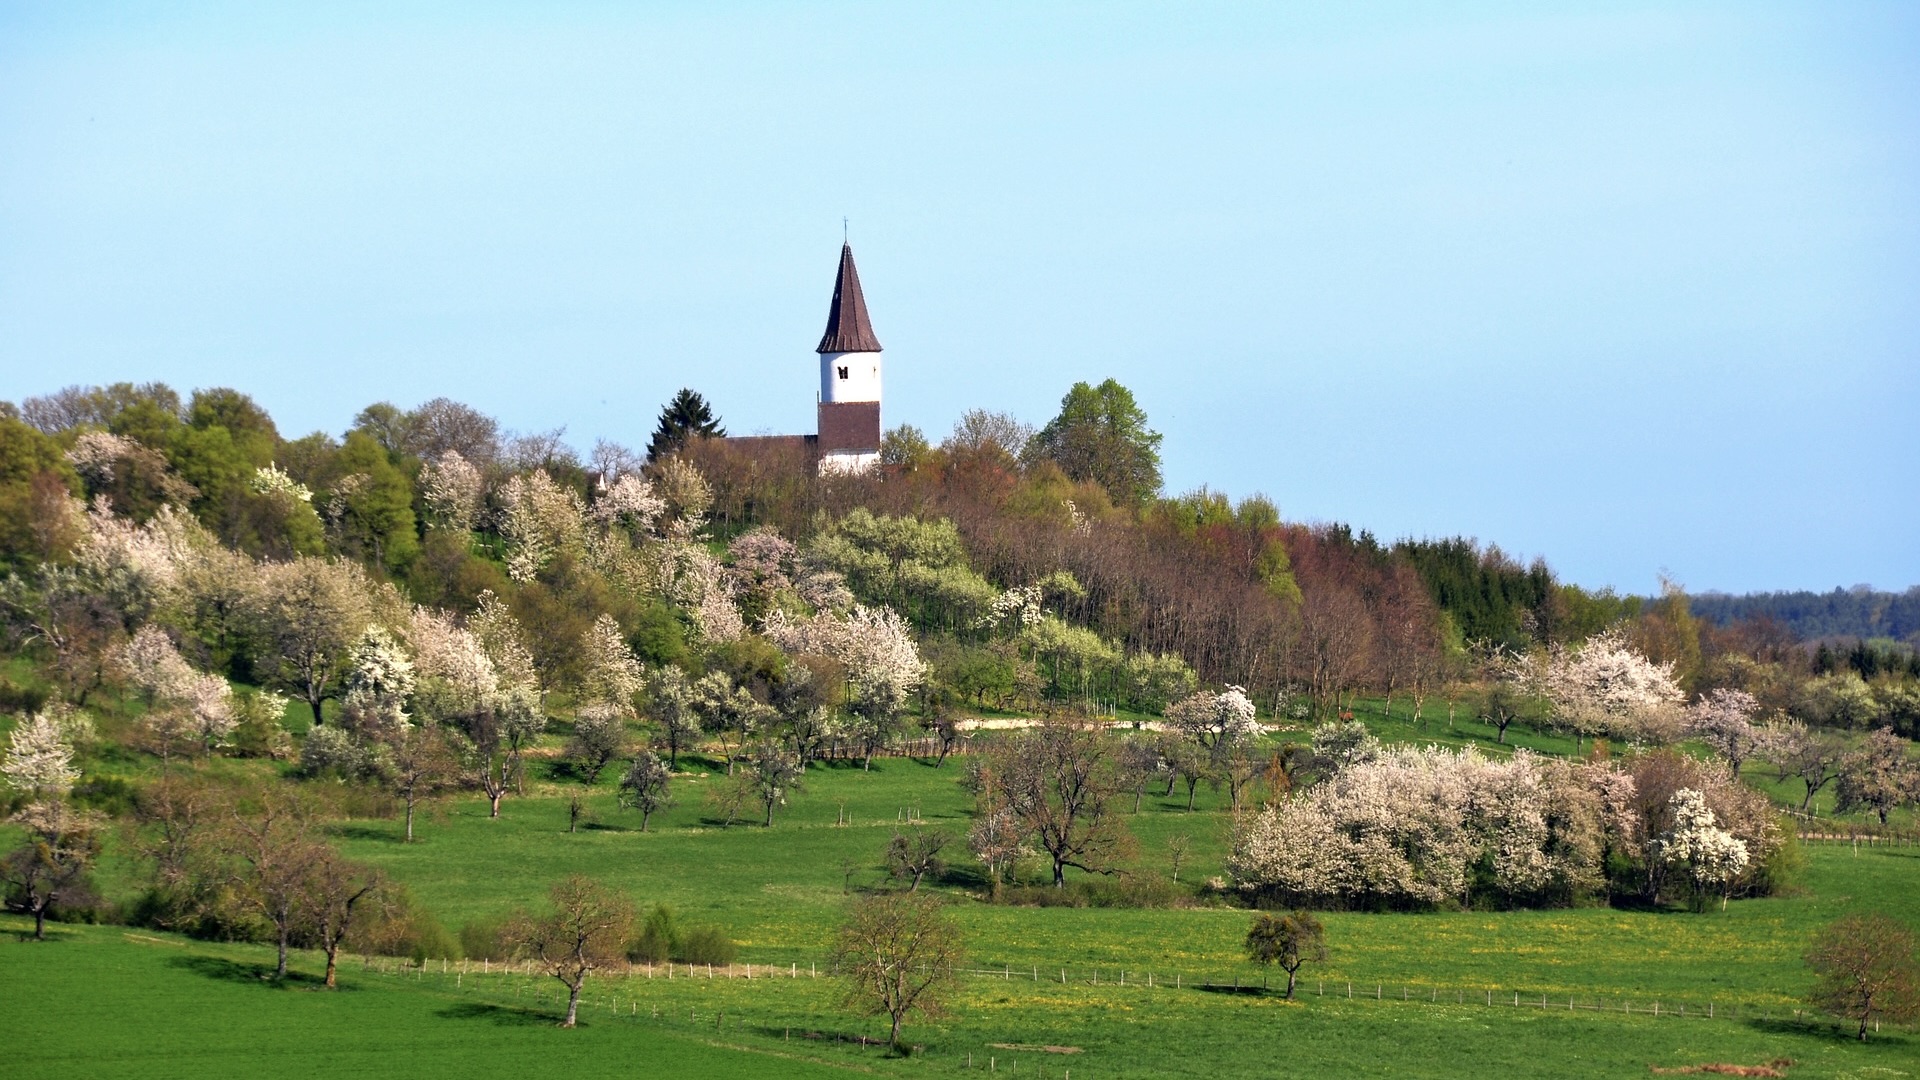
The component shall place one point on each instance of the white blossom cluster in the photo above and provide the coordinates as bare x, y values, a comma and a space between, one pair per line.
1723, 719
1216, 721
184, 702
94, 454
1412, 826
451, 487
272, 481
39, 758
1710, 856
1606, 687
539, 519
874, 643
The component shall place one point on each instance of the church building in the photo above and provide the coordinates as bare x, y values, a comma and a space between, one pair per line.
847, 438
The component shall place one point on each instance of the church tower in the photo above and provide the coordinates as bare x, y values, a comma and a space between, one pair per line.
849, 431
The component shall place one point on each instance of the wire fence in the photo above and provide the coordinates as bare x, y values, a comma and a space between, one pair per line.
614, 985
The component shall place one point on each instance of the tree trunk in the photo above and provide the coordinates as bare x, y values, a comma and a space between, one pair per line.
40, 923
644, 815
573, 1001
1290, 974
1059, 874
493, 799
409, 819
332, 955
894, 1038
280, 970
769, 815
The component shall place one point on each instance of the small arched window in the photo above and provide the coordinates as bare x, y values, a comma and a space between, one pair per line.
843, 373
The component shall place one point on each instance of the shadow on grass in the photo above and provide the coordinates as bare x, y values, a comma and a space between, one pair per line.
1237, 991
1826, 1029
224, 970
502, 1015
792, 1034
375, 833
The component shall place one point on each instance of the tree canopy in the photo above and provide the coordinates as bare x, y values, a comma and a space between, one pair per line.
686, 416
1101, 435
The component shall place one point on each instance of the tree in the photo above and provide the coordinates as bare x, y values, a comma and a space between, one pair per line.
1877, 776
1723, 719
39, 759
585, 930
1710, 856
1797, 750
776, 773
1289, 941
421, 763
370, 509
1102, 435
308, 615
274, 850
1605, 686
916, 854
670, 701
599, 734
378, 682
51, 867
1866, 969
684, 417
1059, 782
897, 952
647, 786
334, 887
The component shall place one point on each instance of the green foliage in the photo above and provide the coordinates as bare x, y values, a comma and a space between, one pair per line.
372, 506
918, 567
685, 417
1491, 597
1101, 435
34, 476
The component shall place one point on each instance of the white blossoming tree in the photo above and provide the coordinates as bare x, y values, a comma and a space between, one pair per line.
1606, 687
1723, 719
39, 759
1708, 856
452, 488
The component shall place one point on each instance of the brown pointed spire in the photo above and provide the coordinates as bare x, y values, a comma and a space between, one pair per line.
848, 329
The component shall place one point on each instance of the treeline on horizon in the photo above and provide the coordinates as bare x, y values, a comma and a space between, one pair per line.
1073, 510
1816, 616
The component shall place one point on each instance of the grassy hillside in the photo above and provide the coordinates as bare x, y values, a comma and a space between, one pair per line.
150, 1002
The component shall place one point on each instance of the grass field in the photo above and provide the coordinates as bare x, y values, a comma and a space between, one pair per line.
1432, 994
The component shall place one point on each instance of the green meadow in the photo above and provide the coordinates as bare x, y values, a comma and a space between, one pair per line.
1431, 994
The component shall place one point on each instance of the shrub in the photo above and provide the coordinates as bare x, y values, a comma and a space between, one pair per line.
654, 940
707, 945
481, 939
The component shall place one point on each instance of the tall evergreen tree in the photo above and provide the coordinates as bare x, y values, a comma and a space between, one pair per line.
688, 414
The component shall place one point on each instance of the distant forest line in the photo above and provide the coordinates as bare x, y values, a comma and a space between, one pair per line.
1813, 616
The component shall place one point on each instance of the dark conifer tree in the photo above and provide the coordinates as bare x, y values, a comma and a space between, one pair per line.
688, 414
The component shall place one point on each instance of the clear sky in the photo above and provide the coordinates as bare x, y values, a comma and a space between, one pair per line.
1630, 287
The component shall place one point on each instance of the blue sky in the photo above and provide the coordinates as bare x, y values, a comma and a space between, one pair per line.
1635, 288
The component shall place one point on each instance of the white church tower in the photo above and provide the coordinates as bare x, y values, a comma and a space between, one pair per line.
849, 431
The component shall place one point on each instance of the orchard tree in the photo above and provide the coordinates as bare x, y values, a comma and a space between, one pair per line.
1877, 776
996, 840
1059, 782
334, 888
1709, 856
586, 930
39, 760
672, 701
776, 774
1813, 755
599, 734
421, 763
274, 849
1289, 941
308, 615
647, 786
1867, 970
1723, 719
1605, 686
897, 952
51, 866
915, 854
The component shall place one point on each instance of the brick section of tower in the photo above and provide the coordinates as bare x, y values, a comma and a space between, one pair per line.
849, 426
